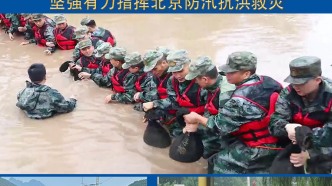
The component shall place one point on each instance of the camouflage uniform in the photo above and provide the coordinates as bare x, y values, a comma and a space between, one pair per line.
41, 101
83, 44
100, 32
48, 34
240, 158
302, 70
163, 50
177, 60
29, 33
146, 84
79, 33
117, 53
15, 22
200, 66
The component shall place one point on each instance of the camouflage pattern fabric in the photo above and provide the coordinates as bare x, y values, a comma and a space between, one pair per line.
29, 33
238, 61
240, 158
41, 101
15, 22
59, 18
77, 54
177, 59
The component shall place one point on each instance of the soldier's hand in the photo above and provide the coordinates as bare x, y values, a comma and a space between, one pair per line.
190, 118
11, 37
47, 52
136, 96
144, 120
299, 159
22, 29
24, 43
147, 106
50, 44
108, 98
191, 127
79, 68
290, 128
84, 75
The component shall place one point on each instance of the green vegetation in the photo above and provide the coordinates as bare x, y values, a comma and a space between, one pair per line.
139, 183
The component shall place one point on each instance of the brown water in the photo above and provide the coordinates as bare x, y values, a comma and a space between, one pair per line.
99, 138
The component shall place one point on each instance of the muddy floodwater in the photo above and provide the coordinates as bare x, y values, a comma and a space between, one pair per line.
100, 138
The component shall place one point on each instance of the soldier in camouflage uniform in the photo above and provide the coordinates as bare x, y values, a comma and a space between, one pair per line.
39, 101
88, 62
82, 33
45, 34
105, 65
243, 116
16, 21
30, 27
145, 86
98, 32
180, 92
63, 33
306, 101
219, 92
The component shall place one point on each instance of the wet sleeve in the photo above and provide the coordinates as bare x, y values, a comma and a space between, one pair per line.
15, 23
60, 104
282, 115
235, 113
76, 53
49, 37
103, 81
92, 70
171, 97
149, 91
129, 86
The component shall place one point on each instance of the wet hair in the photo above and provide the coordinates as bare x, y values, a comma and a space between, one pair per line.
213, 74
91, 23
139, 65
37, 72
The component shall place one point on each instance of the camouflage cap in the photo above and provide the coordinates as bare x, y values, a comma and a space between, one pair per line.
80, 32
59, 18
303, 69
116, 53
26, 16
151, 59
237, 61
102, 49
199, 66
177, 59
85, 20
132, 59
164, 50
84, 43
36, 17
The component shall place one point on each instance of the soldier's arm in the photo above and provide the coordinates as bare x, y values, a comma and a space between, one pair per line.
171, 97
103, 81
149, 91
129, 86
15, 23
282, 115
76, 53
322, 137
60, 103
92, 70
49, 37
235, 113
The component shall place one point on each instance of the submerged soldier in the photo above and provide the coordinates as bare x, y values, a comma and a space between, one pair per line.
243, 116
219, 92
30, 27
144, 85
39, 101
44, 36
180, 92
98, 32
64, 33
306, 101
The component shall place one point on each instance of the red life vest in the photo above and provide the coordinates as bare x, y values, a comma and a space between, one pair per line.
5, 20
86, 62
106, 67
94, 41
117, 80
263, 94
162, 87
22, 21
189, 100
64, 38
39, 35
213, 102
108, 37
313, 119
138, 82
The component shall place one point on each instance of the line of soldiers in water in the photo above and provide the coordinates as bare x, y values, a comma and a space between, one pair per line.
243, 120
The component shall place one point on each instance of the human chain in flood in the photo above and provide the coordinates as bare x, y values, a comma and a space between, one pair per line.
233, 111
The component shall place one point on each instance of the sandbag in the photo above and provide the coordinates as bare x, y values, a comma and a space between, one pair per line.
188, 147
281, 164
155, 135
